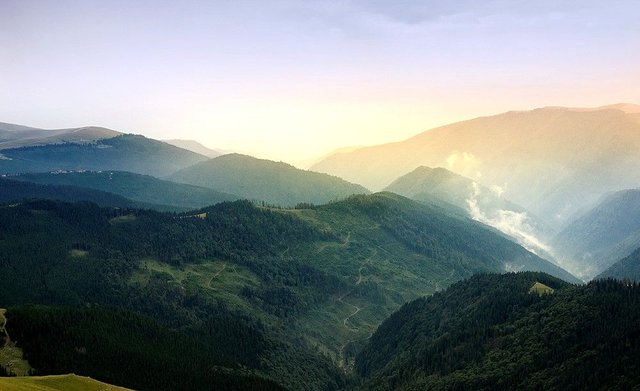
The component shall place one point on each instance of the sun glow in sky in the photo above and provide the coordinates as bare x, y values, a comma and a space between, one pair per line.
291, 80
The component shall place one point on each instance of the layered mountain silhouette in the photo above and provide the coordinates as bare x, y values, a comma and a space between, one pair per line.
266, 180
602, 235
14, 136
194, 146
142, 188
486, 205
553, 161
627, 268
125, 152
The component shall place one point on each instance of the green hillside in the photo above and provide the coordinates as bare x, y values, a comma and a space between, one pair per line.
264, 180
426, 183
490, 333
12, 190
142, 188
486, 205
320, 279
628, 268
602, 235
55, 383
125, 153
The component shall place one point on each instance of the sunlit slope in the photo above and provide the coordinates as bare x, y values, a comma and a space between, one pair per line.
15, 136
194, 146
55, 383
266, 180
551, 161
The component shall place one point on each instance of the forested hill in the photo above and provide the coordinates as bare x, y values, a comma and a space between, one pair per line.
265, 180
628, 268
125, 152
127, 349
494, 332
315, 282
15, 191
142, 188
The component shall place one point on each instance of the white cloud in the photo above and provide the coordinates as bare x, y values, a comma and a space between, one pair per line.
514, 224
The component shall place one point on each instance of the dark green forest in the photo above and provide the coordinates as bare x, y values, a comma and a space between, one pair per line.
137, 352
490, 332
264, 293
80, 254
144, 189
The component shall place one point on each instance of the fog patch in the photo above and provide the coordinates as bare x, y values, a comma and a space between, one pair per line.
514, 224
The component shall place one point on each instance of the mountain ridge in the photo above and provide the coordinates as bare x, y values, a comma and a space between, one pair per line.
266, 180
541, 157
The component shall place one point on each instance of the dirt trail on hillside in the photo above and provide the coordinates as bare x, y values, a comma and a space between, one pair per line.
224, 266
345, 322
3, 321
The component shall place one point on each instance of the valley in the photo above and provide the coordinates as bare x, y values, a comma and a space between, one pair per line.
267, 276
308, 195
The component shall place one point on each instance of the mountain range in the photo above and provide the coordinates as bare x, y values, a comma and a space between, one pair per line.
264, 180
605, 233
137, 187
628, 268
15, 136
167, 265
478, 202
125, 152
552, 161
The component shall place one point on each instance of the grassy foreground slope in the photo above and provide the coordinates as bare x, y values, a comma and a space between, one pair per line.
55, 383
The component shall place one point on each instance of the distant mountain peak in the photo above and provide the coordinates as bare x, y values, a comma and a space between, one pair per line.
194, 146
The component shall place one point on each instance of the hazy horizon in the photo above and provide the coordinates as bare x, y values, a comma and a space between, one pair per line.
292, 80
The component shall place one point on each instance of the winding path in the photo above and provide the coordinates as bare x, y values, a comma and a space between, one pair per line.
345, 322
3, 326
224, 266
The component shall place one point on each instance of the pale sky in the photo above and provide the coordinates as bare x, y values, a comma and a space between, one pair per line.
291, 80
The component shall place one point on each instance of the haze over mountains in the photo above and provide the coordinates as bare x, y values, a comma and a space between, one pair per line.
273, 277
478, 202
604, 234
194, 146
14, 136
264, 180
627, 268
125, 152
553, 161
